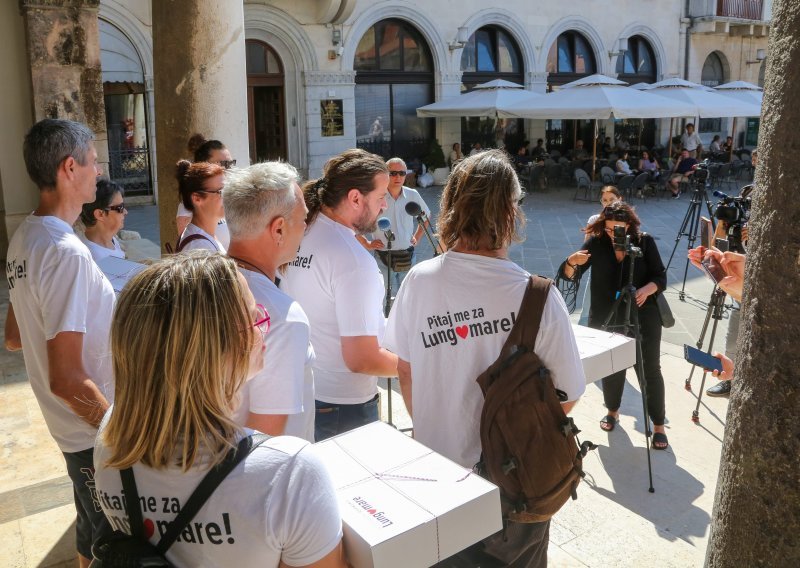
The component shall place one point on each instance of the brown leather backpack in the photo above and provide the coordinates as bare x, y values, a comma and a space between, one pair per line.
529, 444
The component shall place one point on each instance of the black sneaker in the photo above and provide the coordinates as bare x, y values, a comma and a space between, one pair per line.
723, 388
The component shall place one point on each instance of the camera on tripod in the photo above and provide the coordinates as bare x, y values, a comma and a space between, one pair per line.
700, 174
735, 213
622, 242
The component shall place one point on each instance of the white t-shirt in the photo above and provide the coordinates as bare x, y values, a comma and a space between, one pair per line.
100, 252
286, 384
55, 287
450, 320
690, 141
340, 287
207, 243
403, 224
222, 233
279, 503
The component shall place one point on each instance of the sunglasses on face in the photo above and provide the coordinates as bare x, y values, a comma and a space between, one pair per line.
615, 215
227, 164
118, 208
209, 192
394, 173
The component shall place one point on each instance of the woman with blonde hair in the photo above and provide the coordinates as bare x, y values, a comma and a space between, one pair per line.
185, 337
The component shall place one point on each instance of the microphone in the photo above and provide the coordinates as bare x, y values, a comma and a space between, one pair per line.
386, 226
724, 196
413, 208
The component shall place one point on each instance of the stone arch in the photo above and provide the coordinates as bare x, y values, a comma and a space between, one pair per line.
281, 32
577, 24
511, 24
131, 28
723, 59
655, 44
383, 11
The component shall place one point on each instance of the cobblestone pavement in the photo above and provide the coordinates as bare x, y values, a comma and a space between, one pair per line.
614, 522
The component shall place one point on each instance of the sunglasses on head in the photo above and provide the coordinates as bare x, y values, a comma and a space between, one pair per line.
118, 208
397, 173
227, 164
611, 214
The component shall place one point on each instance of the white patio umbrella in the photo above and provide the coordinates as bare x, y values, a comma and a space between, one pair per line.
598, 97
707, 103
487, 99
741, 91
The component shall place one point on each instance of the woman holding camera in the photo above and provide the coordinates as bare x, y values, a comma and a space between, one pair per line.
185, 336
610, 269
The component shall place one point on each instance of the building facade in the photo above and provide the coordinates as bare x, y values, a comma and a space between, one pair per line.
322, 76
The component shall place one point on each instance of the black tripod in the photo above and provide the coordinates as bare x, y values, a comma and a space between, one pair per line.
691, 222
625, 310
716, 308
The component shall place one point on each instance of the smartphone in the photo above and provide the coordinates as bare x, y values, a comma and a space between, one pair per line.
701, 359
713, 269
706, 231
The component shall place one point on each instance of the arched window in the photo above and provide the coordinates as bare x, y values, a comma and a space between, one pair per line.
394, 76
491, 53
713, 74
638, 63
126, 104
266, 109
570, 57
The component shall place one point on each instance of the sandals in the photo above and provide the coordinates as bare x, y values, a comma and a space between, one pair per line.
660, 441
608, 423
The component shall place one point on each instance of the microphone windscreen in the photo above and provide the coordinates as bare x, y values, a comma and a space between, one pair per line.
413, 208
718, 193
384, 224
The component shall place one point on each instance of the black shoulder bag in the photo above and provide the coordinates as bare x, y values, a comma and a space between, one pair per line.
122, 550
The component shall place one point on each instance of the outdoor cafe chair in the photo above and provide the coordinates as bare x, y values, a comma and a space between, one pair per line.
625, 185
608, 176
584, 183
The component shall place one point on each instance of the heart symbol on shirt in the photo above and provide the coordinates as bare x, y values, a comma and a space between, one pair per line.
462, 331
149, 528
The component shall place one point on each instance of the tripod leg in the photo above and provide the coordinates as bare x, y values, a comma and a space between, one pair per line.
634, 318
696, 412
681, 232
695, 226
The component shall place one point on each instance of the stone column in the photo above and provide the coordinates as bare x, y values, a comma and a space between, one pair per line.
536, 81
200, 85
64, 53
448, 130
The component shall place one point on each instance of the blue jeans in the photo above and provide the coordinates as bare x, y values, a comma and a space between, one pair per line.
332, 418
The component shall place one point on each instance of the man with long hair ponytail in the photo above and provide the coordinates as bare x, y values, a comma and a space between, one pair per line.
340, 287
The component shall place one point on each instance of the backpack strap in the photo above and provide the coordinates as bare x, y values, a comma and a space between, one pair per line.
213, 478
196, 500
181, 244
529, 318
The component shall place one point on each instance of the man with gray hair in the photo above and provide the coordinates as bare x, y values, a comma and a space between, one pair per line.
406, 229
62, 304
266, 216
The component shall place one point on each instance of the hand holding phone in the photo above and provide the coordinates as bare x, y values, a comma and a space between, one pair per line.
713, 269
701, 359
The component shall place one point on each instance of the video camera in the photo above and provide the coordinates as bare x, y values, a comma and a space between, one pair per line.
622, 242
700, 174
735, 213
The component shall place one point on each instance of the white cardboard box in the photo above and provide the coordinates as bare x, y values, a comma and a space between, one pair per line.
602, 352
119, 271
403, 504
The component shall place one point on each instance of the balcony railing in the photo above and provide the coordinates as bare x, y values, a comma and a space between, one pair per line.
744, 9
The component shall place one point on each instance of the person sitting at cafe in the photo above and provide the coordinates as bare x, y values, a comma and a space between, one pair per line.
608, 147
539, 151
684, 168
622, 165
455, 155
728, 144
649, 164
522, 159
579, 153
715, 147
